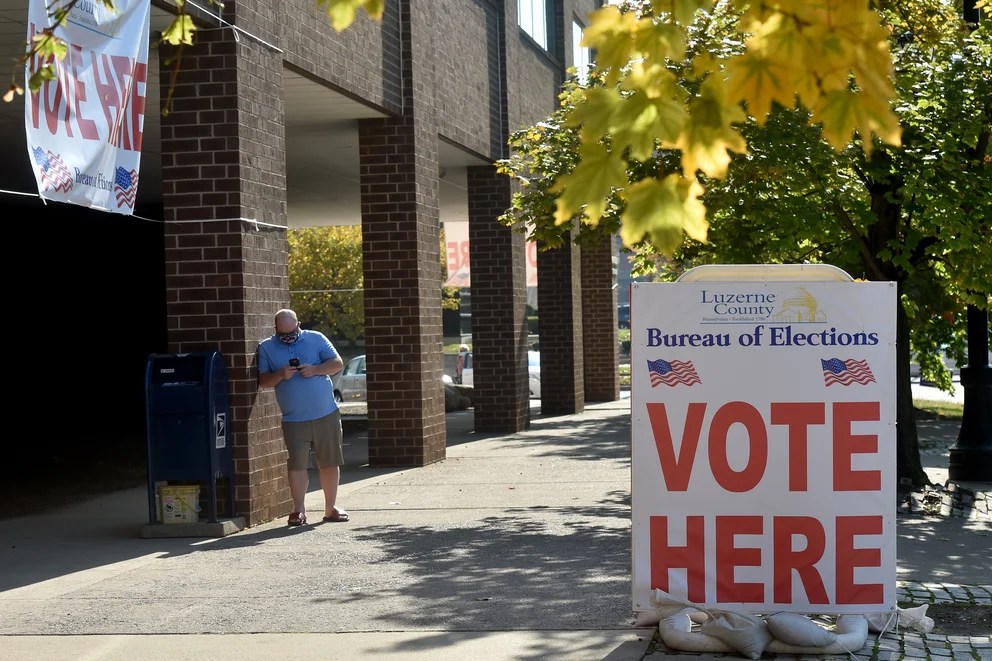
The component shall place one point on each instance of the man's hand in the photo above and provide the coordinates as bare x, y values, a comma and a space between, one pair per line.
288, 371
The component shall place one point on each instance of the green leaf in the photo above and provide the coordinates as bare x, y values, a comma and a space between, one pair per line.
590, 184
595, 114
664, 210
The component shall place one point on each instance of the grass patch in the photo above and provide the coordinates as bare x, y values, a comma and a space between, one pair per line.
933, 409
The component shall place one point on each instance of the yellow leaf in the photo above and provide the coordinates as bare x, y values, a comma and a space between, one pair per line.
703, 64
598, 173
844, 112
666, 211
682, 11
374, 8
653, 79
652, 111
828, 56
773, 67
671, 120
660, 41
640, 121
611, 33
636, 118
709, 134
342, 13
595, 113
180, 31
759, 80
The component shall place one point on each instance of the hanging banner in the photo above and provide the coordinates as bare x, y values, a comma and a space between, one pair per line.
84, 128
456, 247
763, 445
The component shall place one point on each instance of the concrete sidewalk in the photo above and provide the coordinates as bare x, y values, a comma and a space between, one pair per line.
513, 547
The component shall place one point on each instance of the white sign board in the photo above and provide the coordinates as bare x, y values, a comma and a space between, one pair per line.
763, 445
459, 271
84, 128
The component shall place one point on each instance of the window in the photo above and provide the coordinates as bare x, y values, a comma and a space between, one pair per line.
581, 56
533, 18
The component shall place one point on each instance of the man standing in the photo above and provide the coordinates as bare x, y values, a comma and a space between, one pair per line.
460, 362
298, 364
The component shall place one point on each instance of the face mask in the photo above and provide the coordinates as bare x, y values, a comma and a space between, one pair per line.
289, 338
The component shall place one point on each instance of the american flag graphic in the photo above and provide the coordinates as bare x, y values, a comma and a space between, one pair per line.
672, 373
125, 186
53, 171
846, 372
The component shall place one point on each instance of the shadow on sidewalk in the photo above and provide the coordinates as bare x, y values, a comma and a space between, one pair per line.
503, 559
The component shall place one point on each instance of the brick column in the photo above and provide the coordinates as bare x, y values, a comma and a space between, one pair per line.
600, 351
499, 306
223, 159
401, 235
559, 309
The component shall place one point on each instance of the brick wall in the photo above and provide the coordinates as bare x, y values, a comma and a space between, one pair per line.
532, 76
499, 307
600, 351
468, 71
363, 61
559, 302
223, 159
402, 262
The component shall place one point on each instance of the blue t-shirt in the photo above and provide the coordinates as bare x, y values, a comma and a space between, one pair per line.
300, 398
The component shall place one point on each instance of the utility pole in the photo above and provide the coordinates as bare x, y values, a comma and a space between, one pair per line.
971, 455
971, 13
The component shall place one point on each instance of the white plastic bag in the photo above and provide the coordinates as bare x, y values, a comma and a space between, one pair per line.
906, 618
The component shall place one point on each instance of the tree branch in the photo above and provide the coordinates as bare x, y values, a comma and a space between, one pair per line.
863, 249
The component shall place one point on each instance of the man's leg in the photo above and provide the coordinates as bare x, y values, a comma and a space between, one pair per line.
329, 479
298, 483
330, 457
297, 436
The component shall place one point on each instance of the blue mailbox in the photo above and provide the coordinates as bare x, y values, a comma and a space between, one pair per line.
187, 407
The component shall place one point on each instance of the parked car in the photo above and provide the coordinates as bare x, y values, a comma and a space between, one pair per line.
623, 316
533, 373
349, 383
952, 367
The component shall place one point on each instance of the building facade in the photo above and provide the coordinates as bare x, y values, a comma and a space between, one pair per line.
276, 121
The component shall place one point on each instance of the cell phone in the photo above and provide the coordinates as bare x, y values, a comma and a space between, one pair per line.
295, 362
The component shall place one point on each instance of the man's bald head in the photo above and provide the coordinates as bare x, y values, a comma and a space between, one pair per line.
286, 321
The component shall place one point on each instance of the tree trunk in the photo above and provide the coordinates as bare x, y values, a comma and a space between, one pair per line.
883, 232
909, 468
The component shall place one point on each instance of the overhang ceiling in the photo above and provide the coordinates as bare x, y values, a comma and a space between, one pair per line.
321, 140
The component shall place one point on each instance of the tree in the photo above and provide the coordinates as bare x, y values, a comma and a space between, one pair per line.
326, 283
914, 214
325, 279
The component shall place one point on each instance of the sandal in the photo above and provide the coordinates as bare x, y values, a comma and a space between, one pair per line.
297, 519
338, 516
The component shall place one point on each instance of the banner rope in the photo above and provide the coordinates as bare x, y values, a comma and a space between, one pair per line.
254, 221
232, 26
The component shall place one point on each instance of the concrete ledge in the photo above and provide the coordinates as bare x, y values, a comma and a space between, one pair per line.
221, 528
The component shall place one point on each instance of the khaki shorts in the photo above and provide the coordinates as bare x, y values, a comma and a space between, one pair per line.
323, 435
